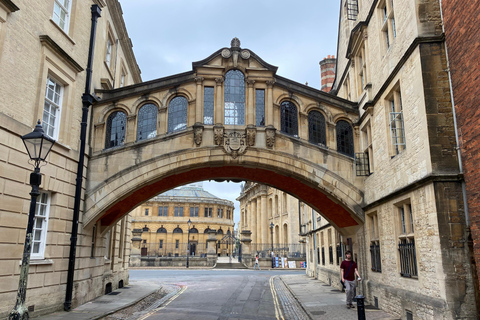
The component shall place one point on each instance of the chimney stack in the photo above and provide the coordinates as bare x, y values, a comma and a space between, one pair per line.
327, 72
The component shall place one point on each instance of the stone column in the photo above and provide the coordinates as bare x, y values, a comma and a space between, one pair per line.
218, 102
269, 106
259, 219
264, 214
254, 221
250, 104
211, 248
198, 101
246, 252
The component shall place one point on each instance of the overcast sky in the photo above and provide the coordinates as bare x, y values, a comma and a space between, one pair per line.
168, 35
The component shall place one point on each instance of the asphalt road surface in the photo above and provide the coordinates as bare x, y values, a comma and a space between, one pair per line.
222, 294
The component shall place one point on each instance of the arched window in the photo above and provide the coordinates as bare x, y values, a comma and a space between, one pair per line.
345, 138
207, 230
145, 229
234, 97
220, 231
193, 230
289, 118
147, 122
177, 230
177, 114
116, 125
162, 230
316, 128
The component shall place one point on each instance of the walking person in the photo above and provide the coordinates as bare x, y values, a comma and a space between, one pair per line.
348, 270
256, 263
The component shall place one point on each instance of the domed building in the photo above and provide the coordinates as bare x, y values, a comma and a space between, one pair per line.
160, 226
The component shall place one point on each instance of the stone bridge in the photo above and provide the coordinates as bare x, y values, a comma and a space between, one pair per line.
230, 118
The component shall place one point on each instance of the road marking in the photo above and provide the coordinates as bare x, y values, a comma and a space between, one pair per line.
278, 310
164, 305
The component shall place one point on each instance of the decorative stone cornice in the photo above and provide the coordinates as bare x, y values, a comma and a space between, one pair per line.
9, 5
52, 45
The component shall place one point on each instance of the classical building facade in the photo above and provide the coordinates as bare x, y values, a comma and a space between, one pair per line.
163, 223
44, 48
272, 218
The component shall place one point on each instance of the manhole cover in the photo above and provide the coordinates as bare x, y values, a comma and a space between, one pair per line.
114, 293
318, 313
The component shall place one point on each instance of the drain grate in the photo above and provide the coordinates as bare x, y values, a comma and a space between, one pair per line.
114, 293
318, 313
101, 301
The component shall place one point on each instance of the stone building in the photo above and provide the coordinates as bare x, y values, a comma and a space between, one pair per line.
44, 47
270, 215
412, 250
163, 223
461, 35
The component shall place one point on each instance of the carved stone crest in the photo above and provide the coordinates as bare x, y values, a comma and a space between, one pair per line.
235, 144
235, 51
251, 132
218, 134
270, 136
198, 133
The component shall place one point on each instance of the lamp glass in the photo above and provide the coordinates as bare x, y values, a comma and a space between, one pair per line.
38, 144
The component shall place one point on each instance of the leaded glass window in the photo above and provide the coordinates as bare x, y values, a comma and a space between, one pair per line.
52, 107
147, 122
234, 97
208, 105
344, 138
161, 230
316, 128
289, 118
260, 107
177, 114
116, 124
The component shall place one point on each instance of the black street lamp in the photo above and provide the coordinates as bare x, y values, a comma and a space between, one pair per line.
38, 147
271, 232
188, 240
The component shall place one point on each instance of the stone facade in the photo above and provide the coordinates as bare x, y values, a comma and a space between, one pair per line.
270, 214
160, 232
35, 46
392, 62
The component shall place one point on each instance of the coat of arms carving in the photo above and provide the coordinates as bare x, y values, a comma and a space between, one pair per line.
235, 144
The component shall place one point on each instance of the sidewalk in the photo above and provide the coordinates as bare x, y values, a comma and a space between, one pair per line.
107, 304
321, 301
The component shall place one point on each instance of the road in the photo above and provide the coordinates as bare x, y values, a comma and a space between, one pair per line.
223, 294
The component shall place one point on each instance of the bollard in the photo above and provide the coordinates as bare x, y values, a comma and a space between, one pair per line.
360, 307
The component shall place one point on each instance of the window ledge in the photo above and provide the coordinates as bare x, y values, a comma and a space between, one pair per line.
63, 31
38, 262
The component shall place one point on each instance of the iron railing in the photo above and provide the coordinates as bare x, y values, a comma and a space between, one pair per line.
408, 258
375, 255
289, 250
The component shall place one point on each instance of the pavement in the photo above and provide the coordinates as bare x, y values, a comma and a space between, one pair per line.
319, 301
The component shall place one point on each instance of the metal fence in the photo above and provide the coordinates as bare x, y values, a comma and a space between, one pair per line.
289, 250
408, 259
172, 249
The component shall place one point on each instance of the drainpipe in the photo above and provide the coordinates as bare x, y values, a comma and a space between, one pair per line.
459, 156
87, 101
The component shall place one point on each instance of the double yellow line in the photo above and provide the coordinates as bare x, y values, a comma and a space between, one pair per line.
278, 310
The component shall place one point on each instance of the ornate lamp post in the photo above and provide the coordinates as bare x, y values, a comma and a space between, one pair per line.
38, 147
188, 240
271, 232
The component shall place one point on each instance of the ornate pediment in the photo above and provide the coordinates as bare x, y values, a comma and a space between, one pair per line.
236, 54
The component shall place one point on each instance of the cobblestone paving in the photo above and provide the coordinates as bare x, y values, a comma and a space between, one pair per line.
291, 308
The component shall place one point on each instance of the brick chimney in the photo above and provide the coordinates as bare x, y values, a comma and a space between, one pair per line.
327, 72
